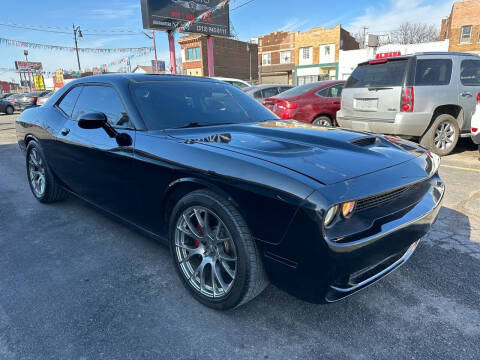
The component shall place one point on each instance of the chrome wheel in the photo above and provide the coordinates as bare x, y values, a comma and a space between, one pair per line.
322, 122
444, 136
206, 252
36, 173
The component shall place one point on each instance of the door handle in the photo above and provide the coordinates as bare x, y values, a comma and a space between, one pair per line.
65, 132
466, 94
336, 102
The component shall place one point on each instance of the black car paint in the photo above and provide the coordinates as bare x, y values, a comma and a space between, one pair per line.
273, 172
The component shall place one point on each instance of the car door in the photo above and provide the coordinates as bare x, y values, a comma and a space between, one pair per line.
468, 89
56, 118
99, 169
329, 102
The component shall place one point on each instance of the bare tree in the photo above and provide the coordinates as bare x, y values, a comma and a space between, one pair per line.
360, 38
414, 33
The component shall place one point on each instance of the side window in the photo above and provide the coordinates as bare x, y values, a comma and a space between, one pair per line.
257, 95
470, 72
102, 99
336, 91
433, 72
269, 92
68, 102
239, 85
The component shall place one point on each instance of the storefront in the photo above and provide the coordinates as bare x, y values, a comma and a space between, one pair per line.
307, 74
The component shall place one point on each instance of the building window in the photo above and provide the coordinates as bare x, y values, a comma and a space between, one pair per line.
285, 57
305, 56
326, 50
466, 34
267, 59
193, 53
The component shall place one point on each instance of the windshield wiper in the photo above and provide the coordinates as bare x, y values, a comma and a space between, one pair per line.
196, 124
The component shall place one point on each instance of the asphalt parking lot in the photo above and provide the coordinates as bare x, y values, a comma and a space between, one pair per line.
75, 284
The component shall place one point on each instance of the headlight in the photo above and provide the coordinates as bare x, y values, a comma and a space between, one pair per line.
435, 162
347, 208
330, 215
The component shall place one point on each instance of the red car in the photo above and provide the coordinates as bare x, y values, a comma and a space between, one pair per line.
315, 103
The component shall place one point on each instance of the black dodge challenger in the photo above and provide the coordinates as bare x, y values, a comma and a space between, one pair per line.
241, 197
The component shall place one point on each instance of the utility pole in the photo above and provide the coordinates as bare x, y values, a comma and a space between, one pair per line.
25, 52
152, 37
364, 35
249, 50
80, 35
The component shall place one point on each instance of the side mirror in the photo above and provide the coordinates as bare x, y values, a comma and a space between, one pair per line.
92, 121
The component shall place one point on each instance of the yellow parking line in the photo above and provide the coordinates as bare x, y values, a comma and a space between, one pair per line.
460, 168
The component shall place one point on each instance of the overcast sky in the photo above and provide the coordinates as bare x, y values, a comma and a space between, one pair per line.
254, 19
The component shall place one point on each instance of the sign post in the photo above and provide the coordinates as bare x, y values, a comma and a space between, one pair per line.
171, 47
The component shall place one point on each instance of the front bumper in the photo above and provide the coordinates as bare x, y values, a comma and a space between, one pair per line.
318, 269
411, 124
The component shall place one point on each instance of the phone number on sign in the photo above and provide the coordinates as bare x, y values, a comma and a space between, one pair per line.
211, 29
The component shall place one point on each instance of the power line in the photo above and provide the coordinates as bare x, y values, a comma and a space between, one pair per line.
239, 6
60, 30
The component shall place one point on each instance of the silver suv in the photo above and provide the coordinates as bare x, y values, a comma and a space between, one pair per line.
431, 96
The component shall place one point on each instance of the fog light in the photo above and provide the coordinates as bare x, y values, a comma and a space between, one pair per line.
347, 209
330, 215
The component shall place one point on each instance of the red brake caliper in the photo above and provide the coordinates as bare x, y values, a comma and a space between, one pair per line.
197, 243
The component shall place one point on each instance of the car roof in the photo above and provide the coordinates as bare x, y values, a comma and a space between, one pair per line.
228, 79
139, 78
265, 86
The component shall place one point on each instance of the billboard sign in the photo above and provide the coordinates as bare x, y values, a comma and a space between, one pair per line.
24, 66
161, 66
171, 14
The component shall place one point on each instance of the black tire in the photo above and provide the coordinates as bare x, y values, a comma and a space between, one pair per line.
430, 139
322, 121
52, 190
250, 279
9, 110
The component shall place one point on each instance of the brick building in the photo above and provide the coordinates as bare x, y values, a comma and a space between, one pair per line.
232, 58
317, 53
276, 56
462, 27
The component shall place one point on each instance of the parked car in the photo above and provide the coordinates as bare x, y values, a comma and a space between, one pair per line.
261, 92
43, 99
28, 99
315, 103
11, 100
5, 95
476, 124
6, 107
239, 84
430, 96
241, 198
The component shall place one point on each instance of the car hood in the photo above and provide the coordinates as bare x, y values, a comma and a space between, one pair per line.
328, 155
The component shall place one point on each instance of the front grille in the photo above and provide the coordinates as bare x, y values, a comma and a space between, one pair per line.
381, 199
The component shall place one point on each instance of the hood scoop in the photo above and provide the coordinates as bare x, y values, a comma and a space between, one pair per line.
365, 141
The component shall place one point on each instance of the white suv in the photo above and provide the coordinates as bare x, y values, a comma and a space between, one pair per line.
429, 96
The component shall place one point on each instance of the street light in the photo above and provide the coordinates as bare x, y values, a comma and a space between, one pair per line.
77, 30
25, 52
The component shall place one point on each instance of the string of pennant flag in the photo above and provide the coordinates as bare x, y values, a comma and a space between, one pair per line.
100, 68
25, 44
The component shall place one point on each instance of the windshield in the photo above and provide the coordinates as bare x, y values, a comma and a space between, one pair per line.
299, 90
391, 73
173, 104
